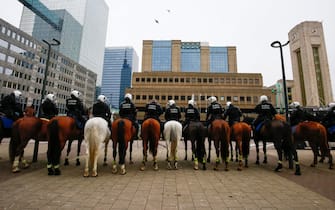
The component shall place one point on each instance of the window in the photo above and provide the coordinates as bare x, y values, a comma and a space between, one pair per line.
221, 98
3, 43
235, 98
241, 98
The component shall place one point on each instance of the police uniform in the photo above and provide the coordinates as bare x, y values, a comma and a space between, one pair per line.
297, 116
49, 109
172, 113
75, 108
101, 109
153, 110
10, 107
330, 120
265, 111
214, 111
234, 114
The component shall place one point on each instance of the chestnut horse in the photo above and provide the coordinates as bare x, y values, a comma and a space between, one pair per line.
241, 134
23, 130
60, 130
316, 134
219, 132
196, 133
122, 133
150, 133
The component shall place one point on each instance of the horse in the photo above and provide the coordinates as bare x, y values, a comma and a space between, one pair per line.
195, 132
172, 134
219, 132
150, 134
241, 134
122, 133
60, 129
23, 130
279, 132
316, 134
96, 132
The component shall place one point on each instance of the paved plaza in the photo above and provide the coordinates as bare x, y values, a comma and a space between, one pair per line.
256, 187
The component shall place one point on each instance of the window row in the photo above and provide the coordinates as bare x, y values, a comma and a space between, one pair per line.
17, 37
217, 80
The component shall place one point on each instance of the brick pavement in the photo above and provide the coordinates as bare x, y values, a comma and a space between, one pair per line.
256, 187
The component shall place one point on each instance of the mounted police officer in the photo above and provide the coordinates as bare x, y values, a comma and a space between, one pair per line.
191, 114
153, 110
48, 107
128, 110
75, 108
297, 115
330, 120
172, 112
265, 111
214, 110
101, 109
233, 113
11, 105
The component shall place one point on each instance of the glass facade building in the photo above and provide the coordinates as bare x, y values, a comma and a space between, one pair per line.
119, 63
218, 59
161, 55
83, 29
190, 57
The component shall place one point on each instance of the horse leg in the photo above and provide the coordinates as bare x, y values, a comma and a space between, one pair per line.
315, 154
105, 152
296, 160
154, 154
240, 154
78, 152
145, 154
195, 154
66, 161
209, 150
224, 148
185, 142
114, 166
57, 154
232, 151
257, 149
19, 157
86, 170
264, 151
168, 155
174, 151
280, 156
217, 151
122, 156
95, 163
130, 151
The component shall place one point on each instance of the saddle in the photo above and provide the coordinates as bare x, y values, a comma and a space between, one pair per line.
80, 124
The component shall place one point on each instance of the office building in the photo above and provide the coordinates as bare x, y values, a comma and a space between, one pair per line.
179, 70
310, 64
22, 67
119, 64
80, 25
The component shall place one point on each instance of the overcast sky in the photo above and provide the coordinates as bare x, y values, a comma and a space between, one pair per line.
250, 25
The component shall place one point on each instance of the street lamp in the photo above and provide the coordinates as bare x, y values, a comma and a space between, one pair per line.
277, 44
54, 43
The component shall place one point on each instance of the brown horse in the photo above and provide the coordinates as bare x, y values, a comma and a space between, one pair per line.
150, 133
60, 130
316, 134
122, 133
278, 132
196, 133
219, 132
241, 134
23, 130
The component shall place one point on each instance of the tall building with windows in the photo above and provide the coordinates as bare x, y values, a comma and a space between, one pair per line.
80, 26
119, 64
181, 70
178, 56
22, 67
310, 64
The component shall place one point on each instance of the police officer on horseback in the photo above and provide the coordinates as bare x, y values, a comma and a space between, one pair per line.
233, 112
329, 120
75, 108
153, 110
172, 112
191, 114
128, 110
214, 110
48, 107
11, 105
101, 109
297, 115
265, 111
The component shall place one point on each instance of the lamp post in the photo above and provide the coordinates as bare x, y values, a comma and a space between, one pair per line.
54, 43
277, 44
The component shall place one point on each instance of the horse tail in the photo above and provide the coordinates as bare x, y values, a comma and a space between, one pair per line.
151, 138
91, 135
246, 140
121, 136
14, 141
53, 144
324, 147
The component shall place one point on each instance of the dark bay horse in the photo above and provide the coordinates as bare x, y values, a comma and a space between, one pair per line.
150, 134
280, 133
316, 134
23, 130
219, 132
60, 130
241, 134
196, 133
122, 133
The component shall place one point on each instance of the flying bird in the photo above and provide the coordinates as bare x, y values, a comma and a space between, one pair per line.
168, 10
156, 21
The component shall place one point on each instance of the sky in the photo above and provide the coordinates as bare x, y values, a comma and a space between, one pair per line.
249, 25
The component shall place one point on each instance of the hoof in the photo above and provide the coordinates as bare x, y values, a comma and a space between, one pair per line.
114, 169
57, 172
131, 162
66, 162
15, 170
265, 161
105, 164
25, 166
226, 169
204, 167
298, 173
257, 162
86, 174
77, 162
185, 158
142, 168
215, 168
51, 172
123, 171
279, 167
169, 166
94, 174
312, 165
175, 165
155, 166
239, 168
196, 167
208, 160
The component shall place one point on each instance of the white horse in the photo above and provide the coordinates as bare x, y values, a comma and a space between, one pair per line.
172, 134
96, 134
